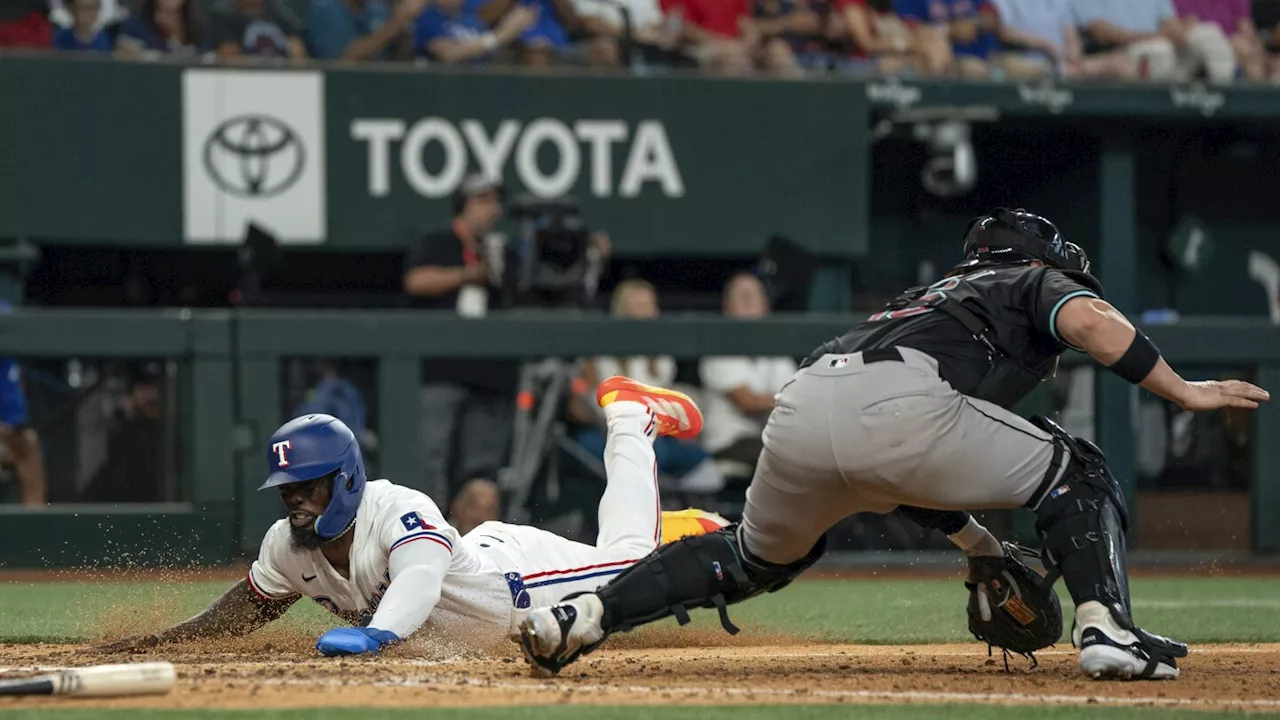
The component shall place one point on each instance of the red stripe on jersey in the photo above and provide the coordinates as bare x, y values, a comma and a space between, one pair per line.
581, 569
435, 540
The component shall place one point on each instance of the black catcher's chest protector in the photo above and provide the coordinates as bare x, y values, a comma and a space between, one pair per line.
987, 328
1010, 374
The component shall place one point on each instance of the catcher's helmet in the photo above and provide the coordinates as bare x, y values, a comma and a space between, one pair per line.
1016, 236
313, 446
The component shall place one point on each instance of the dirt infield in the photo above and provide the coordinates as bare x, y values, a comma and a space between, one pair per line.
662, 666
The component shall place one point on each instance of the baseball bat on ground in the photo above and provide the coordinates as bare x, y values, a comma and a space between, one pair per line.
154, 678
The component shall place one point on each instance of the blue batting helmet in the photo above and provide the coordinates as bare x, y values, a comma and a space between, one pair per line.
313, 446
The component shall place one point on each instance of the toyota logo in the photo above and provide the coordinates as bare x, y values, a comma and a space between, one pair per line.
254, 156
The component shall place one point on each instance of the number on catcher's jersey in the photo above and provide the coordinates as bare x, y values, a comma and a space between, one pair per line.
931, 299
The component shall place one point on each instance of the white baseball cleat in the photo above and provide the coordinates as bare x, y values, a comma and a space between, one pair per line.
552, 637
1109, 651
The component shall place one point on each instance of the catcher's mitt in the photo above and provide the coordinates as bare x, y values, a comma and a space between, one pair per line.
1011, 606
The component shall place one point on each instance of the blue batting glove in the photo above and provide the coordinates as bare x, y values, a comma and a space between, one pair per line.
354, 641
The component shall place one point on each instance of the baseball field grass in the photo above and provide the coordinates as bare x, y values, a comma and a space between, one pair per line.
863, 647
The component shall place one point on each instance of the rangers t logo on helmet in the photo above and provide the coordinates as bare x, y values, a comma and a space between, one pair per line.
279, 449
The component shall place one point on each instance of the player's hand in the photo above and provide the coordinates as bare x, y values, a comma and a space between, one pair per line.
1216, 394
133, 643
354, 641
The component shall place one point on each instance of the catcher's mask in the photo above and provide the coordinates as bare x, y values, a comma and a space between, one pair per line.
1007, 237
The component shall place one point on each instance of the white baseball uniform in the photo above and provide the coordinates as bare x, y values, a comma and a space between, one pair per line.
407, 565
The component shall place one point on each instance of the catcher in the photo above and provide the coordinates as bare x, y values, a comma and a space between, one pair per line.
911, 408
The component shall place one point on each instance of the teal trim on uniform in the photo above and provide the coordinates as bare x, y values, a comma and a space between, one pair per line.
1053, 316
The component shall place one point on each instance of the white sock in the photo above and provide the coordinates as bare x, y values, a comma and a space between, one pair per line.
974, 539
629, 513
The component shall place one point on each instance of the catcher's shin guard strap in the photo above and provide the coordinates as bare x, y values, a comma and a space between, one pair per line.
709, 571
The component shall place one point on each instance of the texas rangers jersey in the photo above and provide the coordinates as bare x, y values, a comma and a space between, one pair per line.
390, 517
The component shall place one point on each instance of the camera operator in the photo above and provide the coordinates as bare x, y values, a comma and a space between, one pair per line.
466, 402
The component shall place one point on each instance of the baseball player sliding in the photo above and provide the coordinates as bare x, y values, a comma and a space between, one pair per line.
910, 410
383, 558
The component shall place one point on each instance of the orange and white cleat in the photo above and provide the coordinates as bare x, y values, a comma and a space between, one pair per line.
675, 412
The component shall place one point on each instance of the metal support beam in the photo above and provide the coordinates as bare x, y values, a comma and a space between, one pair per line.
1266, 466
399, 418
1118, 266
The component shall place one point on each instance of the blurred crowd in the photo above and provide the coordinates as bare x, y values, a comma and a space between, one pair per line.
1216, 40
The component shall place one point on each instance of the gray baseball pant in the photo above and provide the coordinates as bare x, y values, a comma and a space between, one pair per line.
848, 436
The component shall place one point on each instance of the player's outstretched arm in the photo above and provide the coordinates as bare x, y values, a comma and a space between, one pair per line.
237, 611
417, 572
1102, 331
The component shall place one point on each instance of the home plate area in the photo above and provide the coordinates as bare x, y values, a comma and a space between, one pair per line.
662, 666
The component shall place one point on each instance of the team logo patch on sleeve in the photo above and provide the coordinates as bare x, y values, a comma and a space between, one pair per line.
519, 596
414, 521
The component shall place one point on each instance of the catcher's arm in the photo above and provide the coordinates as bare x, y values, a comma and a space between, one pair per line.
237, 611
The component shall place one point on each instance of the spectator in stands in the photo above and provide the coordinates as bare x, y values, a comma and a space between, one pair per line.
167, 27
85, 33
337, 396
1041, 39
24, 23
602, 21
110, 14
549, 34
360, 29
478, 502
1165, 46
19, 444
452, 32
797, 23
869, 30
133, 470
723, 36
466, 404
738, 391
965, 28
682, 459
1235, 19
257, 30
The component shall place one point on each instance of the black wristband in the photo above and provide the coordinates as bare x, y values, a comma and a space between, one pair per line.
1138, 361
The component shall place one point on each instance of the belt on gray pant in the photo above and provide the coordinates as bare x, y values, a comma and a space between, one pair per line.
875, 355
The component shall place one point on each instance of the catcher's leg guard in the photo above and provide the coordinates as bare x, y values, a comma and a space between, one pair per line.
1082, 522
712, 570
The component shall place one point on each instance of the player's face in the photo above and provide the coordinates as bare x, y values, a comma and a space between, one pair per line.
306, 501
